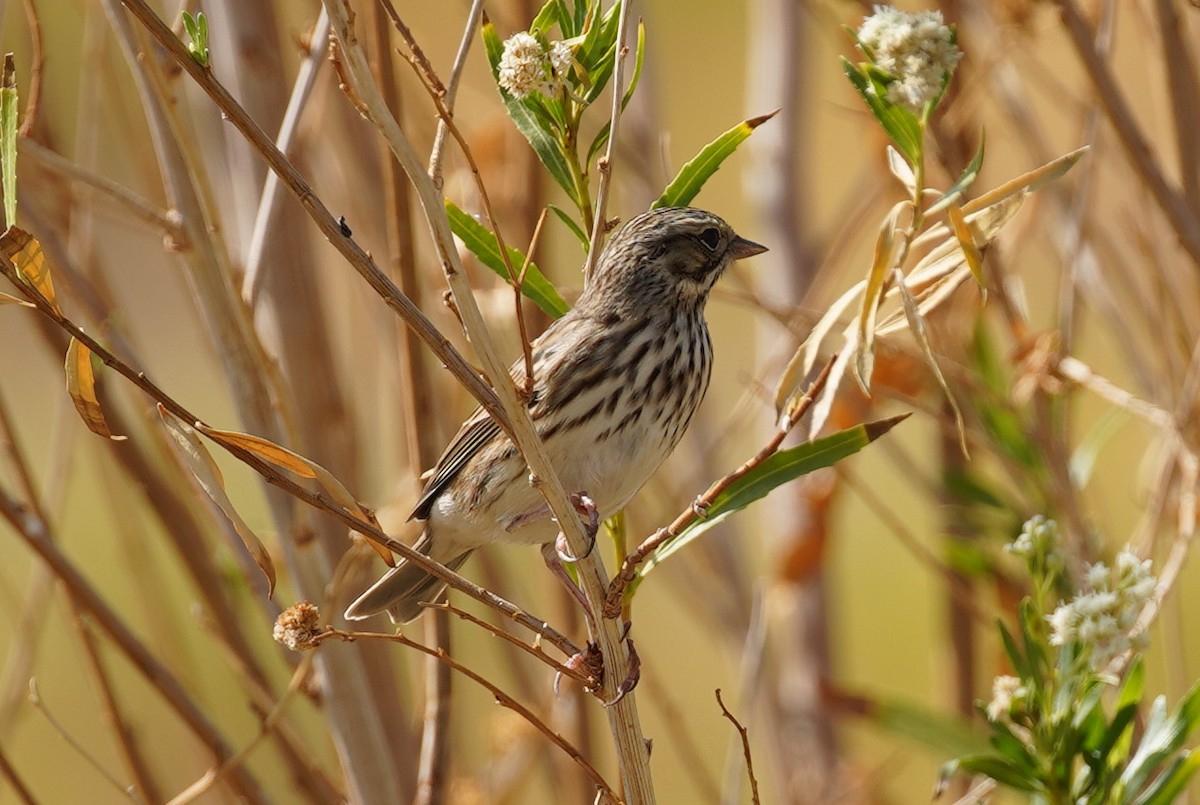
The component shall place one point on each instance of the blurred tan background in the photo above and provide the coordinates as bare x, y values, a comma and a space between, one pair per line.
750, 613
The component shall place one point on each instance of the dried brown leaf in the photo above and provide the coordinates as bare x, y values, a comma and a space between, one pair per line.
81, 385
26, 253
200, 463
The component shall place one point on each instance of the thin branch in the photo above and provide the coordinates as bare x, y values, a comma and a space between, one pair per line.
35, 71
35, 699
605, 165
269, 723
623, 717
18, 785
36, 534
273, 476
141, 208
451, 90
1183, 220
324, 219
745, 735
796, 412
268, 202
502, 698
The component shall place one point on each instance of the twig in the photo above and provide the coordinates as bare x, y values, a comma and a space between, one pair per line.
325, 221
508, 637
451, 90
268, 202
213, 776
745, 734
35, 71
18, 785
517, 282
623, 717
1182, 219
502, 698
35, 698
273, 476
799, 407
605, 165
36, 534
140, 207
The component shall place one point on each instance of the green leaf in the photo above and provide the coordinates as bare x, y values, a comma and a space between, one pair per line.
1163, 736
999, 769
777, 470
576, 230
8, 139
483, 244
949, 736
684, 187
1015, 655
1171, 783
546, 18
598, 39
534, 128
900, 124
965, 180
197, 30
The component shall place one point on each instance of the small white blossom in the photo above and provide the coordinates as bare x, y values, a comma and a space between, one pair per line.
1006, 691
1039, 535
1103, 615
526, 67
917, 50
561, 56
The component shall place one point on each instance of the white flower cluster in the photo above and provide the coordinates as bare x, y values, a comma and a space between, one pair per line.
1006, 691
1103, 615
918, 50
526, 67
1039, 536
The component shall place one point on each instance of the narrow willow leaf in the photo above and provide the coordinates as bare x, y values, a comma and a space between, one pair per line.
81, 385
8, 299
916, 324
684, 187
1033, 180
200, 463
784, 466
1169, 785
304, 467
546, 19
805, 359
999, 769
26, 254
966, 241
881, 264
8, 138
946, 735
900, 168
965, 180
482, 243
899, 123
599, 39
527, 121
578, 232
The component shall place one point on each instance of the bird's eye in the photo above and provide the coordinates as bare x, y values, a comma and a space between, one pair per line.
710, 238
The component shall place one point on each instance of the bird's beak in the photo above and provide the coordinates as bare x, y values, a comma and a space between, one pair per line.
740, 247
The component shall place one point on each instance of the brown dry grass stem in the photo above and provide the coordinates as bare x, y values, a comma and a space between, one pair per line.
798, 408
502, 698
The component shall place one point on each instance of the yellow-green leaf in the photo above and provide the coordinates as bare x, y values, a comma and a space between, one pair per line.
684, 187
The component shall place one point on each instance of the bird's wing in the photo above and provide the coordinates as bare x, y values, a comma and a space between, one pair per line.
476, 433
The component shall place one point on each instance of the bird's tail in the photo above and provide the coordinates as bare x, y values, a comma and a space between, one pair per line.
402, 590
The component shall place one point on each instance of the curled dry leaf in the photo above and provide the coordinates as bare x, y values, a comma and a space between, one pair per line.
26, 253
81, 385
8, 299
200, 463
891, 240
306, 468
